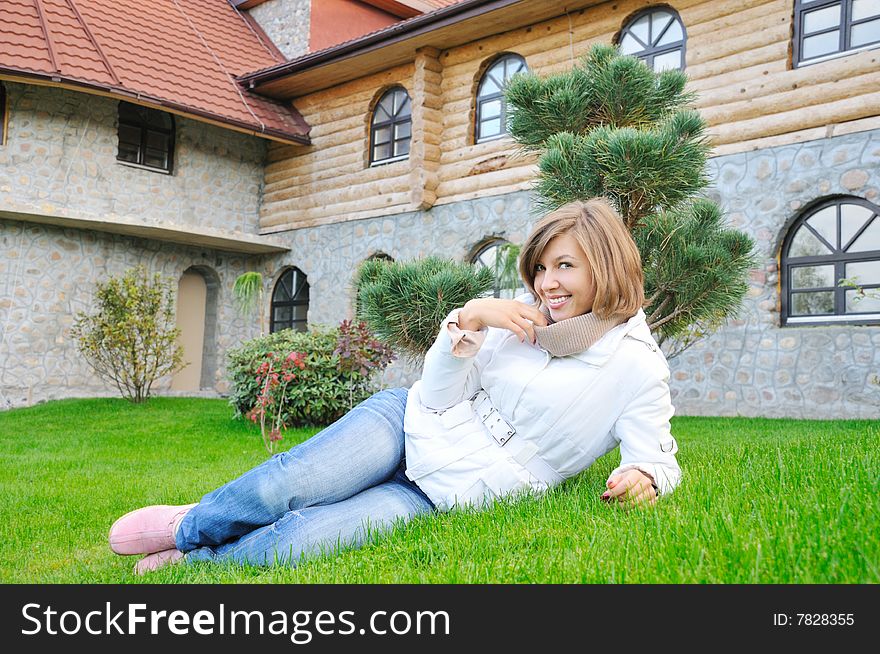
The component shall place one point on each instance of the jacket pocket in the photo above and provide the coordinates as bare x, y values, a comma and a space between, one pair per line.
498, 480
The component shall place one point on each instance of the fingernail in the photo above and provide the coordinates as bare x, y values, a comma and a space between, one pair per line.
605, 496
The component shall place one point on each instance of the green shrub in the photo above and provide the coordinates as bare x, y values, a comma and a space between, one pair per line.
131, 336
340, 366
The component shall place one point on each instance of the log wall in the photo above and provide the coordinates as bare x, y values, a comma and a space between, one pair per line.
738, 62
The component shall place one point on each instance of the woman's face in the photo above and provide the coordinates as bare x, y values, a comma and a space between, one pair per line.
563, 279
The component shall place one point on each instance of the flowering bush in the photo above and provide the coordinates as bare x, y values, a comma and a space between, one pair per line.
334, 370
273, 378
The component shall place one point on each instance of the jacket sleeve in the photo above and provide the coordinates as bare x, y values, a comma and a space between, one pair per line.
448, 377
646, 441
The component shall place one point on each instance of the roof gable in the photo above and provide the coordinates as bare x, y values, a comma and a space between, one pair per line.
181, 55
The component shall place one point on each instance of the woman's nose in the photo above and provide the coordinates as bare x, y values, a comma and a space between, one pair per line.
548, 282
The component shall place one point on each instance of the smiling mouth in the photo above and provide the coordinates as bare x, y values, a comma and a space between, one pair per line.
557, 302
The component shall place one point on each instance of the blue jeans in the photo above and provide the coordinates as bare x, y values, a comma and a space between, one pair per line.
333, 490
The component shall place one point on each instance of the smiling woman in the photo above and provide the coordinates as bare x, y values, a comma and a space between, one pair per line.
515, 397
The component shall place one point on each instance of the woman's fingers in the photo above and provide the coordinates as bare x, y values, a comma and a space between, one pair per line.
632, 488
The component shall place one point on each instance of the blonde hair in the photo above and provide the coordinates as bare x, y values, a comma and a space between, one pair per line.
612, 254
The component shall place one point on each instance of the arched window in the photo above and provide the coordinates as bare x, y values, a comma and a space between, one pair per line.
391, 127
500, 257
838, 239
657, 37
290, 302
146, 137
491, 118
824, 29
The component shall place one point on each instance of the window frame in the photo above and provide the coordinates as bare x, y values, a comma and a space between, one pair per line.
145, 129
650, 52
838, 257
392, 123
480, 100
296, 300
803, 7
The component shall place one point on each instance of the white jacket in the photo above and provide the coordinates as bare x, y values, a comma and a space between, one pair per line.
567, 411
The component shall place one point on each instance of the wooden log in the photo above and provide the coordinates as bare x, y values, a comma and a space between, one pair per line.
837, 70
775, 31
735, 79
721, 23
803, 98
486, 182
460, 164
351, 166
276, 216
341, 95
483, 193
352, 192
707, 11
769, 53
795, 120
300, 222
376, 178
802, 136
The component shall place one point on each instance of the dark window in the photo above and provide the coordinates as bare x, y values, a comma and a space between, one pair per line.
500, 257
824, 29
491, 118
838, 239
2, 114
290, 302
391, 127
146, 137
657, 37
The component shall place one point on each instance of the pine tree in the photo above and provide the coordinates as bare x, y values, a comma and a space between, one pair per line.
612, 127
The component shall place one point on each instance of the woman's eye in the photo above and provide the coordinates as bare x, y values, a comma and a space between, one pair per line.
565, 264
539, 268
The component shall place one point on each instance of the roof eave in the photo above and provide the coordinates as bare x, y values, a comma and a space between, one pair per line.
26, 76
398, 32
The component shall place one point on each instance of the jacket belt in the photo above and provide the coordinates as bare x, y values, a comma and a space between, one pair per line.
522, 451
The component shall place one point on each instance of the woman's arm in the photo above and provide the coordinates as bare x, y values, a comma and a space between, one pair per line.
451, 372
646, 444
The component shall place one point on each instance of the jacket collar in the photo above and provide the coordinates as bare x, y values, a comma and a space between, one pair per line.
602, 350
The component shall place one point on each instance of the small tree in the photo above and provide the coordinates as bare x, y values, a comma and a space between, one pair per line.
131, 338
404, 302
612, 127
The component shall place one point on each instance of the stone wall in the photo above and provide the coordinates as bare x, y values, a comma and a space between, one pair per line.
60, 155
48, 274
286, 22
753, 366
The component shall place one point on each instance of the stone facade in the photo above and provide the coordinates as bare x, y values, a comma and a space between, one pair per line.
60, 155
286, 22
48, 274
754, 367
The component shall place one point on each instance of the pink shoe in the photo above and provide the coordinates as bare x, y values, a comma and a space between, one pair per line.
157, 560
147, 530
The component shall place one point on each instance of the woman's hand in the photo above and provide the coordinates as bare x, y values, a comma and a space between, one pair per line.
515, 316
630, 489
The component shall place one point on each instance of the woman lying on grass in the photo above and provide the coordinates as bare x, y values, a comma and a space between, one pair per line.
515, 396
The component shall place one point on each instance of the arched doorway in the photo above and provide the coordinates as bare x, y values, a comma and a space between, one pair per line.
197, 320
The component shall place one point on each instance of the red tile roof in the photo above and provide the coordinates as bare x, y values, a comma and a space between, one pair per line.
180, 54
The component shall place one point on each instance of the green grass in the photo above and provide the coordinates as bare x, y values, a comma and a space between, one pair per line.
763, 501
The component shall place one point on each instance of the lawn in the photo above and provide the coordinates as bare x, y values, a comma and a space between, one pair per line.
763, 501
